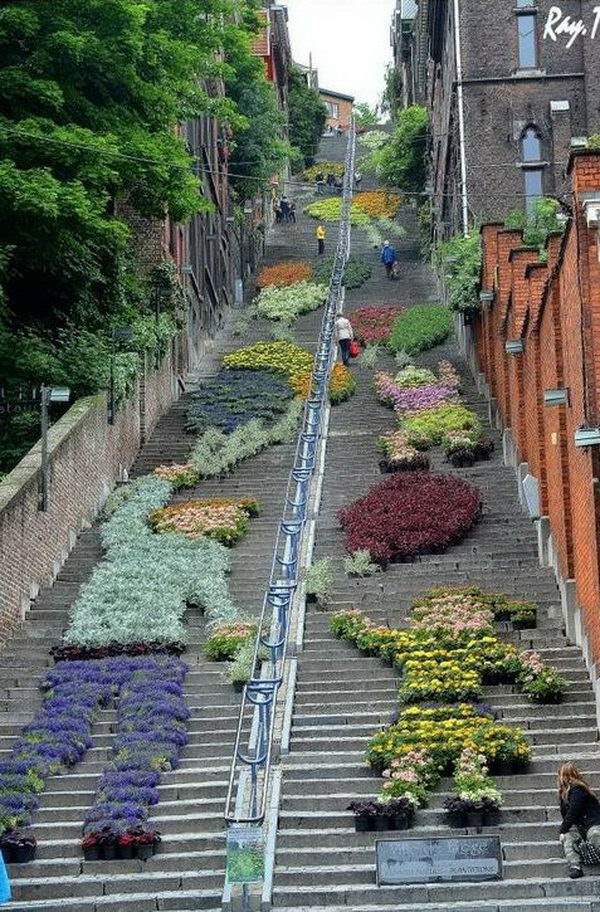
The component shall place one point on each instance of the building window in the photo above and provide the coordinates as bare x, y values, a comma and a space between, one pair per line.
534, 187
533, 169
531, 147
333, 109
527, 38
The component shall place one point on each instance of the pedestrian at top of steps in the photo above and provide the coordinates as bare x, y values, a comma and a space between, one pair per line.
580, 811
388, 258
321, 234
345, 335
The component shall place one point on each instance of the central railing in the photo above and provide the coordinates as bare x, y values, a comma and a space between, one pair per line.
251, 764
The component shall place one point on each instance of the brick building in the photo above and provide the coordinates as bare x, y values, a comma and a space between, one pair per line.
536, 346
402, 39
339, 109
507, 96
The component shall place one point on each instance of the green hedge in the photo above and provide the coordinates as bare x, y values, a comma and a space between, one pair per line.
420, 328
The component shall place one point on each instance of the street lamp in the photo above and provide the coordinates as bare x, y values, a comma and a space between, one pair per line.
48, 394
119, 334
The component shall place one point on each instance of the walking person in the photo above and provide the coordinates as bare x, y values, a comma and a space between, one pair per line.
344, 334
285, 208
388, 258
292, 213
277, 210
580, 811
321, 234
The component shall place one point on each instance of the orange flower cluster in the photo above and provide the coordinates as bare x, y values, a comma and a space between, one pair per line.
289, 272
378, 203
342, 384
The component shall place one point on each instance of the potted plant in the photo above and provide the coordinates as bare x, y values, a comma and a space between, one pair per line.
365, 815
18, 846
318, 581
395, 813
91, 847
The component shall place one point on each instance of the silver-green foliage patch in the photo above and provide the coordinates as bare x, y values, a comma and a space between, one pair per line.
139, 593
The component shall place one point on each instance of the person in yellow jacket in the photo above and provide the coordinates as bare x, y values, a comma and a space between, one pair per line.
321, 235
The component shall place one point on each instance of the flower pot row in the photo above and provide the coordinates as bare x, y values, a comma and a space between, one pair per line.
113, 851
381, 822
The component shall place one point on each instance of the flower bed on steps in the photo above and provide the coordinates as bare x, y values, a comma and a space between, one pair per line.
225, 521
373, 325
150, 734
233, 398
430, 413
281, 275
445, 659
140, 592
410, 514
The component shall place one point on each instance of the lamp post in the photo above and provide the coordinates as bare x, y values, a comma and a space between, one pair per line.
48, 394
119, 334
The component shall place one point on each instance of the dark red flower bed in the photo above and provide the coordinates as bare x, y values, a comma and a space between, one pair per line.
374, 324
112, 650
410, 514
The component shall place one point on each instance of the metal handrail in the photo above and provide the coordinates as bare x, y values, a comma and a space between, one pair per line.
251, 763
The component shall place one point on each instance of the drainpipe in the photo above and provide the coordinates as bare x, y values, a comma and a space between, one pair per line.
461, 117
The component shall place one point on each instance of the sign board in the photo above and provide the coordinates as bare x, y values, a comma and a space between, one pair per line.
245, 854
452, 859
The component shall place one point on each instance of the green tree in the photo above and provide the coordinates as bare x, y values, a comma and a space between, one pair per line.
258, 149
402, 162
307, 117
90, 91
390, 100
459, 260
536, 225
366, 116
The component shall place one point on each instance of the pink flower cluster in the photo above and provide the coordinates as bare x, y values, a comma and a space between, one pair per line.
453, 613
374, 324
448, 374
532, 662
413, 399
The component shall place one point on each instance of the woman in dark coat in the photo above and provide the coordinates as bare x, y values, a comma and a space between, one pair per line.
580, 811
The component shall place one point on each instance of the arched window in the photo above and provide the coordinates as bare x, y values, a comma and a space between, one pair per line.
531, 147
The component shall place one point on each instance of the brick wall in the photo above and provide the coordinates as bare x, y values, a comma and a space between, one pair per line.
87, 456
555, 309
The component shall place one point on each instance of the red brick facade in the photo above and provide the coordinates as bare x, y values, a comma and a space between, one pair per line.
554, 308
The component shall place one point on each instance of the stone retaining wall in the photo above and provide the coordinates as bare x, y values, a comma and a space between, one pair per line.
87, 456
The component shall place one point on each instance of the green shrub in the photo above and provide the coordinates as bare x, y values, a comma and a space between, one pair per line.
420, 328
356, 273
429, 427
459, 259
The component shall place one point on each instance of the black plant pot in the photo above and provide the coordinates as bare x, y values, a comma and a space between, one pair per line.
109, 852
144, 852
311, 598
22, 854
503, 767
384, 822
364, 823
126, 851
91, 853
402, 822
475, 819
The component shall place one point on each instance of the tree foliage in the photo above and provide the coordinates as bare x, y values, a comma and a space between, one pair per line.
536, 225
367, 117
258, 148
308, 115
459, 260
402, 161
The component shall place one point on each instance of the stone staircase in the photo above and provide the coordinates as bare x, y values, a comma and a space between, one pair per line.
189, 870
343, 698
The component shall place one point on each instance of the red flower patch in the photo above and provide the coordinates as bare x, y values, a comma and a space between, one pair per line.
411, 514
374, 324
